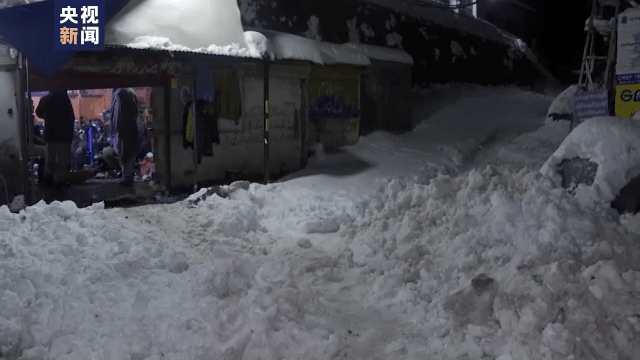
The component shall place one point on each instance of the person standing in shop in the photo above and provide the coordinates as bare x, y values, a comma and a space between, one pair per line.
126, 137
57, 112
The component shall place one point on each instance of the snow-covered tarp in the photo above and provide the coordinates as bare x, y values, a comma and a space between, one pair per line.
611, 143
209, 26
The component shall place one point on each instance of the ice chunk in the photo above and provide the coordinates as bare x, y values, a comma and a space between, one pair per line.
557, 338
473, 304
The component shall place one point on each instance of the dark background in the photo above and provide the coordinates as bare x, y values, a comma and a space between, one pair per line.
555, 31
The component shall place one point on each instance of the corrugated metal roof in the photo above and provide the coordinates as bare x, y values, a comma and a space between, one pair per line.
185, 52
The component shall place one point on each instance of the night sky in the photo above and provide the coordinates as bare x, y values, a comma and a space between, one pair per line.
562, 35
555, 31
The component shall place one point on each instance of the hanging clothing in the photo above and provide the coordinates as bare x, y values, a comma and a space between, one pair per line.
145, 139
188, 126
206, 112
201, 126
228, 96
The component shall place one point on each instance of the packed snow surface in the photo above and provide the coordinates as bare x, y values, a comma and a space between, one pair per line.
444, 243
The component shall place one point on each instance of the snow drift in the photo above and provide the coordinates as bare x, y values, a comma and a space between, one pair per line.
611, 143
480, 262
563, 105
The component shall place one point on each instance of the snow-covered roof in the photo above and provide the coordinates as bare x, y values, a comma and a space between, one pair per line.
214, 27
383, 53
209, 26
285, 46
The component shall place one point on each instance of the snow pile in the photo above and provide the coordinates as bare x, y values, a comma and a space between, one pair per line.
82, 284
528, 150
611, 143
305, 212
564, 103
602, 26
211, 26
499, 264
292, 47
409, 258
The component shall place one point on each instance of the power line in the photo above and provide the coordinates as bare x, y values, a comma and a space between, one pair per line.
433, 5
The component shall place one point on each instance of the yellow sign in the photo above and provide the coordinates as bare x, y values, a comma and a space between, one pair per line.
266, 125
627, 100
333, 91
174, 83
354, 124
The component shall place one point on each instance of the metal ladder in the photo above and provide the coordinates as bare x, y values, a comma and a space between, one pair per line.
588, 71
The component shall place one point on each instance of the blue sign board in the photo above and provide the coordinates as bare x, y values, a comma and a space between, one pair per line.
590, 104
333, 107
628, 79
204, 84
78, 25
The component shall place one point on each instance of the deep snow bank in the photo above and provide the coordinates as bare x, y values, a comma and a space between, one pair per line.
335, 271
82, 284
563, 105
611, 143
565, 279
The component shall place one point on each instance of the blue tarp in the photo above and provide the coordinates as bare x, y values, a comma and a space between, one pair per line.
29, 28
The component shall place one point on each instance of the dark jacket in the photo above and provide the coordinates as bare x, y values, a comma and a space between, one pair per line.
124, 122
57, 112
206, 128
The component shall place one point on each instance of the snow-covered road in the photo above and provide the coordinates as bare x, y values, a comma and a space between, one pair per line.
368, 254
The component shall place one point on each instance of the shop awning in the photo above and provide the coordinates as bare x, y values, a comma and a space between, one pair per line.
114, 67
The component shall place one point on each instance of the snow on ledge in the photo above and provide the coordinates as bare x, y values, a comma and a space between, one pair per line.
163, 43
283, 46
292, 47
610, 142
383, 53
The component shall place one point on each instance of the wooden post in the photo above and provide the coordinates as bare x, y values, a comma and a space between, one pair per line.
194, 97
266, 120
20, 79
25, 87
167, 136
